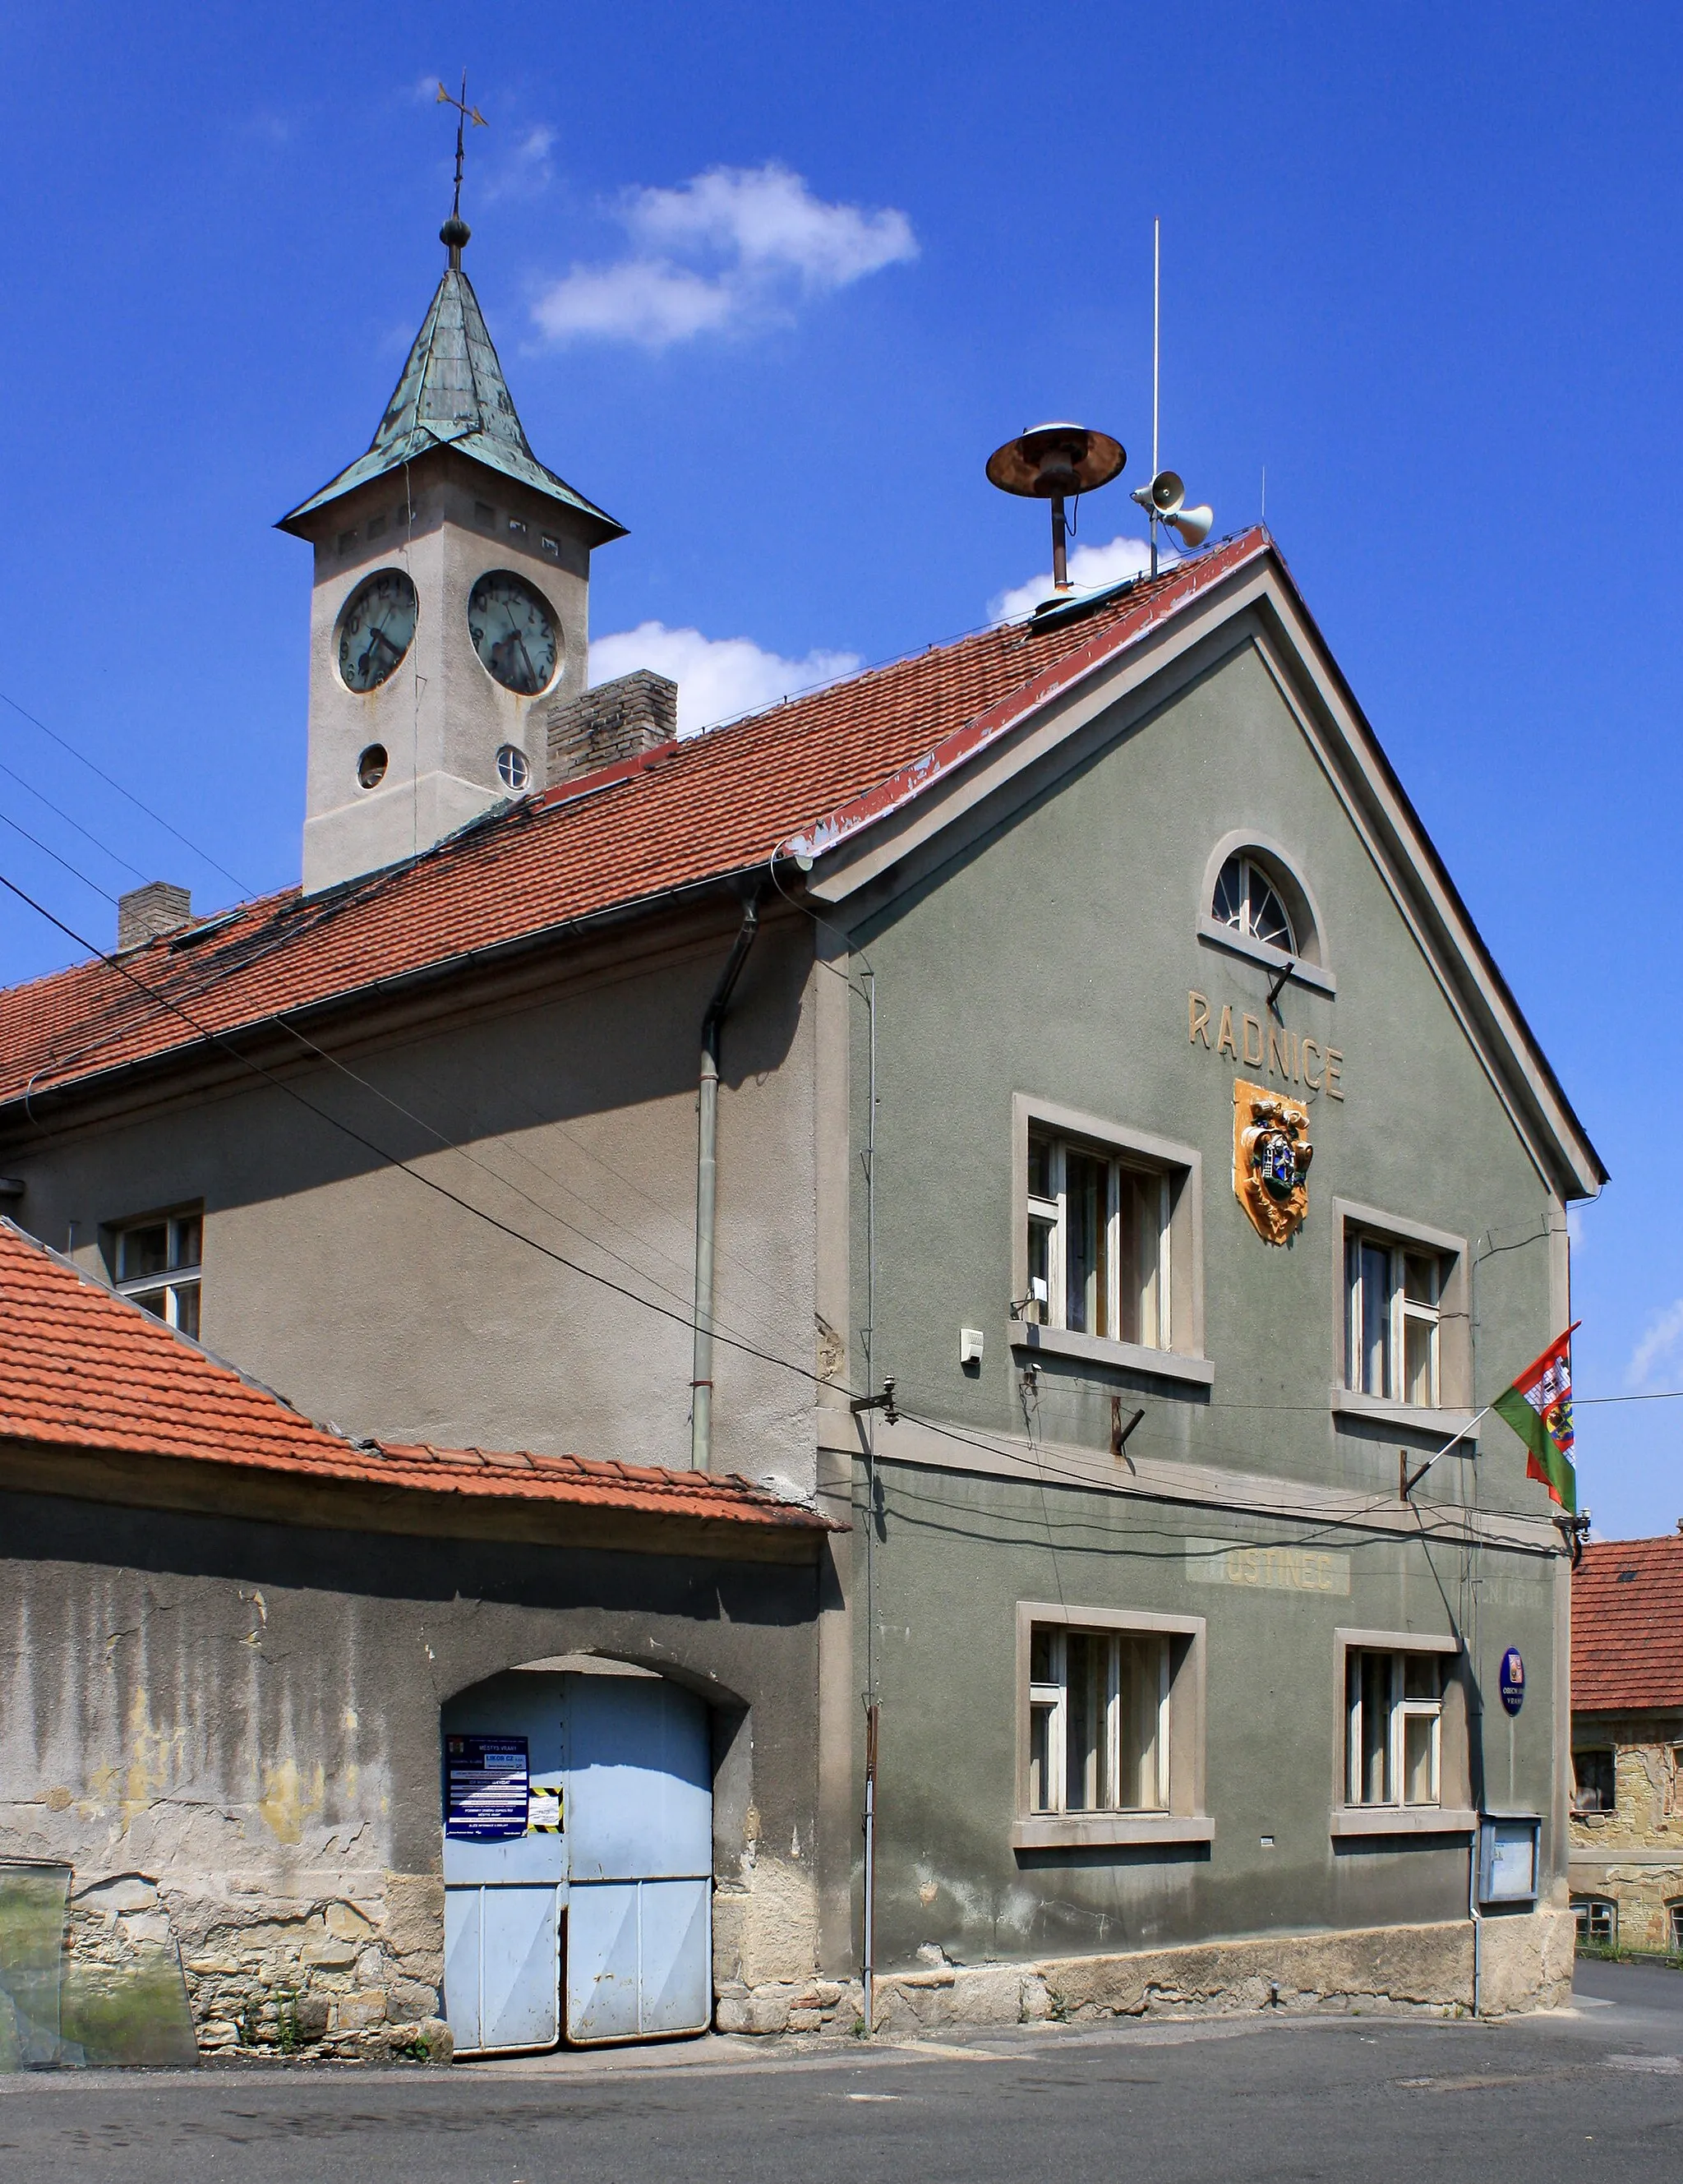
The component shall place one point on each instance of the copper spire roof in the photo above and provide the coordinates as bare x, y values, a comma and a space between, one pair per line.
453, 394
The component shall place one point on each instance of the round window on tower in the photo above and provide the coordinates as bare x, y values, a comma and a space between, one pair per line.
371, 766
513, 768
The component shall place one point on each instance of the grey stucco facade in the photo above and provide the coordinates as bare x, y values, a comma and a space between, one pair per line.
1034, 947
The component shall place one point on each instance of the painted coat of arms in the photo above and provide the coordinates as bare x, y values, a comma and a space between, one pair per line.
1271, 1156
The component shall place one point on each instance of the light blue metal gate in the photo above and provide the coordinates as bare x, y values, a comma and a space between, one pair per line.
639, 1854
620, 1892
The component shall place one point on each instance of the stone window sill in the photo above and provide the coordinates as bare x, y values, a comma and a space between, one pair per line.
1272, 959
1108, 1830
1099, 1350
1416, 1416
1403, 1820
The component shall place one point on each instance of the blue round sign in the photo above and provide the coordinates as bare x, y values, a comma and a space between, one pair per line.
1513, 1679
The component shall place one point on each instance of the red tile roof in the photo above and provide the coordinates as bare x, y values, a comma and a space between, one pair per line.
1627, 1626
678, 816
84, 1370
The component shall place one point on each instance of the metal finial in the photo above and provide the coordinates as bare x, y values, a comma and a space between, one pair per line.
455, 231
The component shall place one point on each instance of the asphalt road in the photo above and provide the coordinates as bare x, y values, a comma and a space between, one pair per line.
1595, 2094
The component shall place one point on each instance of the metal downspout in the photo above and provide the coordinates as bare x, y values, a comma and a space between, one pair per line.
706, 1192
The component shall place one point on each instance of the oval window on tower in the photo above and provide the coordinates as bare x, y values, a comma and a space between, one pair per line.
513, 627
377, 628
371, 766
513, 769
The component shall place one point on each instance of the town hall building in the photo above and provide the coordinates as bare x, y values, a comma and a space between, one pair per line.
911, 1254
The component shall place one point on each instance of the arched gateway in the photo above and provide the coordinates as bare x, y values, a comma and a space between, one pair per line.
578, 1857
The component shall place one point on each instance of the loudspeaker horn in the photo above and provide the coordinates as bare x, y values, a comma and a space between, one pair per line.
1162, 496
1193, 524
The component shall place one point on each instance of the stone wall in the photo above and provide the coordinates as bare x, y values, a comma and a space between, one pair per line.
353, 1971
1633, 1855
1526, 1963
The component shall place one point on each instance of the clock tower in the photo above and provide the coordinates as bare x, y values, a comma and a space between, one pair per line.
450, 607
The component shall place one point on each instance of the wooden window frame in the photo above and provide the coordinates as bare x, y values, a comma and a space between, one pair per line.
1184, 1819
1180, 1354
177, 1281
1454, 1813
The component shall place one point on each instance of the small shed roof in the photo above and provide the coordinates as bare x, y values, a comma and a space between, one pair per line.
84, 1370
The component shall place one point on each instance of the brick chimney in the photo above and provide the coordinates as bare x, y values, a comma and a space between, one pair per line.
147, 913
616, 720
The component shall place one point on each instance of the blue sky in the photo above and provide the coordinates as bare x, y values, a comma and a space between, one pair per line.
1421, 264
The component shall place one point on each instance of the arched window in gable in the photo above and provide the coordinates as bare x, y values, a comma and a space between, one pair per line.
1257, 902
1248, 901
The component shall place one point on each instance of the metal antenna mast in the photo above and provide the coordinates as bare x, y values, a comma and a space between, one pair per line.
1156, 342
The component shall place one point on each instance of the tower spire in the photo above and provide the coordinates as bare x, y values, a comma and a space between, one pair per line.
455, 231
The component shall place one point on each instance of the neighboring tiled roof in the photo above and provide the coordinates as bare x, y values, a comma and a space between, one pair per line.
683, 814
451, 393
84, 1370
1627, 1626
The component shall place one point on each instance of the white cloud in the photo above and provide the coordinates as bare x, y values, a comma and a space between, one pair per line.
638, 300
764, 216
1091, 569
732, 247
717, 677
523, 172
1657, 1346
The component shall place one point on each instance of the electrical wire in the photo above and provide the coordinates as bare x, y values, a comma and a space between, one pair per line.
41, 797
221, 1040
1043, 1470
36, 842
110, 781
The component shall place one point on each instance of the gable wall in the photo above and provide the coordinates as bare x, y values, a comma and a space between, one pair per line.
1056, 960
1053, 957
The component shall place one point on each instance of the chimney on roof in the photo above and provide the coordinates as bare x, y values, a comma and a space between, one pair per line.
147, 913
615, 720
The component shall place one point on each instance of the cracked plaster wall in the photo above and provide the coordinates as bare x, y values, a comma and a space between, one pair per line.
230, 1732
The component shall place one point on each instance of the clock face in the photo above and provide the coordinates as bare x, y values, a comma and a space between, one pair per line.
513, 628
377, 629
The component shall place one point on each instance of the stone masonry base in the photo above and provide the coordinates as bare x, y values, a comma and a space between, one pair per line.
1525, 1963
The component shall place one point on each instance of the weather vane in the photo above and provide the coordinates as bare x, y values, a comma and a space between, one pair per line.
455, 230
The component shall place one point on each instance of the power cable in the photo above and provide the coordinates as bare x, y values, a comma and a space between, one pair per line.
36, 840
41, 797
409, 1115
221, 1041
157, 818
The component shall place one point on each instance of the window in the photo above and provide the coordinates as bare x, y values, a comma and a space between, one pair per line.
1098, 1243
1674, 1923
1394, 1299
517, 529
1593, 1787
485, 513
513, 769
1597, 1922
371, 766
550, 546
1394, 1727
1110, 1728
1098, 1721
157, 1266
1248, 901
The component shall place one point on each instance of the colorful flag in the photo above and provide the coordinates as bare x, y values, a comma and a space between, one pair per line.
1538, 1408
